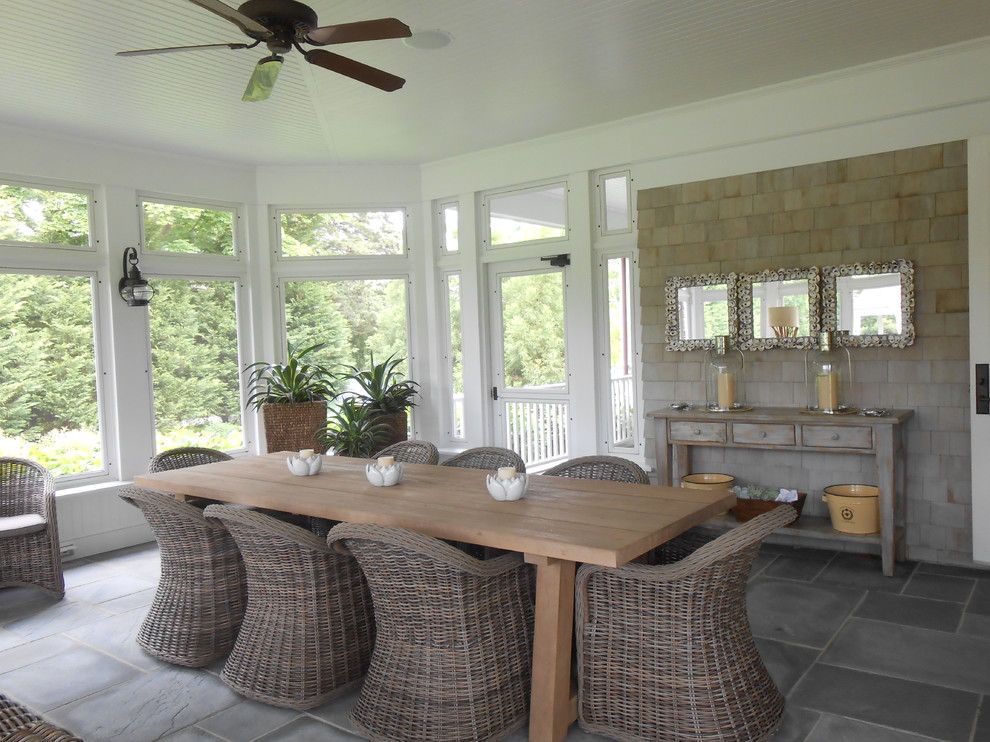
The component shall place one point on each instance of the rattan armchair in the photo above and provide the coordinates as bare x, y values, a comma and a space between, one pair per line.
455, 636
666, 652
412, 452
199, 604
611, 468
17, 724
309, 626
486, 457
181, 458
29, 548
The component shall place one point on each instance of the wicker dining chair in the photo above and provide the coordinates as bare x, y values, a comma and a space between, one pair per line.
455, 638
309, 626
666, 652
611, 468
199, 603
486, 458
17, 724
181, 458
412, 452
29, 548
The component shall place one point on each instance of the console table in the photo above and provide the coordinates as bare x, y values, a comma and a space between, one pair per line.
788, 429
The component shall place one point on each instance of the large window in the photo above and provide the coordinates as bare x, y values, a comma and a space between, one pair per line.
356, 319
454, 356
181, 228
621, 353
195, 365
44, 217
49, 406
527, 215
311, 234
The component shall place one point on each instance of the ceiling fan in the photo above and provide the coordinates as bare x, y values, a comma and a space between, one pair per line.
286, 24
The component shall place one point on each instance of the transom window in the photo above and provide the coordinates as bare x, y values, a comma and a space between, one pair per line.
43, 216
341, 233
171, 227
614, 203
527, 215
449, 227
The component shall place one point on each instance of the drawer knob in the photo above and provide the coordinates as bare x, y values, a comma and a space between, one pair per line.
697, 431
763, 434
835, 436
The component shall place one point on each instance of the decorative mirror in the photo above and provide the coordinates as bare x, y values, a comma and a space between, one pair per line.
699, 309
779, 309
872, 302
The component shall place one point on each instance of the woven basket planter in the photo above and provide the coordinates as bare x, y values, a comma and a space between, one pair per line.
294, 427
398, 424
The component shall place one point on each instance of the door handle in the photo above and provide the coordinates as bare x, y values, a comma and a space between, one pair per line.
495, 393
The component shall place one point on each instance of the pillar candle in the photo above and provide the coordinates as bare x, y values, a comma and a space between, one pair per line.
507, 472
386, 461
726, 389
828, 390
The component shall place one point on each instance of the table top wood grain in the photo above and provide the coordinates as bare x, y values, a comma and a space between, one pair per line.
606, 523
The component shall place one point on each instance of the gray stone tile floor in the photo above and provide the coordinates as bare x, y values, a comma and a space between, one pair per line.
858, 656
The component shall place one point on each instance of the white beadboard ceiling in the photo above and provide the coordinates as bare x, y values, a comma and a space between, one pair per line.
517, 69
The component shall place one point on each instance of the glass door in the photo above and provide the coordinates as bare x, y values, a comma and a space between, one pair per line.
530, 395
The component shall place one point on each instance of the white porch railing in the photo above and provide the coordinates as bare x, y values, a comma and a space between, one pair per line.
537, 431
623, 401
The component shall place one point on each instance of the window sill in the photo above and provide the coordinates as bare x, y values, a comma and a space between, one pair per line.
89, 489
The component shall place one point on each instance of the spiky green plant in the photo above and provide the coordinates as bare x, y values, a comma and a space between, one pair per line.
289, 382
383, 389
353, 429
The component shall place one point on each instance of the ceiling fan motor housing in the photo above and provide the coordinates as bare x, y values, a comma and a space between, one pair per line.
288, 21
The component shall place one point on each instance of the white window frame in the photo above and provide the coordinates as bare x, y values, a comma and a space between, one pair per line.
243, 324
440, 224
101, 378
448, 416
486, 222
64, 187
204, 204
601, 209
280, 257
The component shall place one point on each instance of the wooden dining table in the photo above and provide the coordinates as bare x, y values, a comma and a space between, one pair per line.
560, 522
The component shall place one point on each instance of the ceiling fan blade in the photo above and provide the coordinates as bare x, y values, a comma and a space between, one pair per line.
343, 33
247, 24
263, 78
167, 49
355, 70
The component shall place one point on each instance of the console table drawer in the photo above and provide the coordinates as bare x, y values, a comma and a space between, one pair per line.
681, 430
772, 435
833, 436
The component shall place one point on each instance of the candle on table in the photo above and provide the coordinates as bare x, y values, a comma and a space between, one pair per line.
306, 453
828, 390
386, 461
726, 389
506, 472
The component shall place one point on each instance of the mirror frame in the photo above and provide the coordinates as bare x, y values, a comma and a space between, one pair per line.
674, 283
747, 341
830, 318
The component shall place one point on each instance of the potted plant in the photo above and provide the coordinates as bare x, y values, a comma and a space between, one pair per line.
292, 397
354, 430
386, 395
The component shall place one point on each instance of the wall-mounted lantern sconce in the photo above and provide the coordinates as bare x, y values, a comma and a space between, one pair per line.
135, 290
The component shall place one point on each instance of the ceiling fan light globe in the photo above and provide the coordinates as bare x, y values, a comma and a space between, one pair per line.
262, 80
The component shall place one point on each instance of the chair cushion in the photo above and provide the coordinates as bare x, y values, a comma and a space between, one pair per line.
19, 525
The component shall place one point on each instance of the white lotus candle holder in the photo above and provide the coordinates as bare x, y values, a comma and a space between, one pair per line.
305, 465
506, 489
383, 476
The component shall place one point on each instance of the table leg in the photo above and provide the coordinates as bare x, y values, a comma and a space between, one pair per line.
886, 481
551, 708
682, 463
662, 451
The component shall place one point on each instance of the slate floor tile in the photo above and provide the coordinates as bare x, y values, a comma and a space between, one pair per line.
940, 587
980, 601
982, 731
796, 724
18, 602
337, 711
863, 571
954, 571
147, 707
140, 599
53, 619
192, 734
108, 588
761, 562
83, 571
63, 678
308, 729
798, 613
117, 636
933, 657
910, 611
975, 624
34, 651
247, 720
8, 640
906, 705
805, 564
833, 728
786, 662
